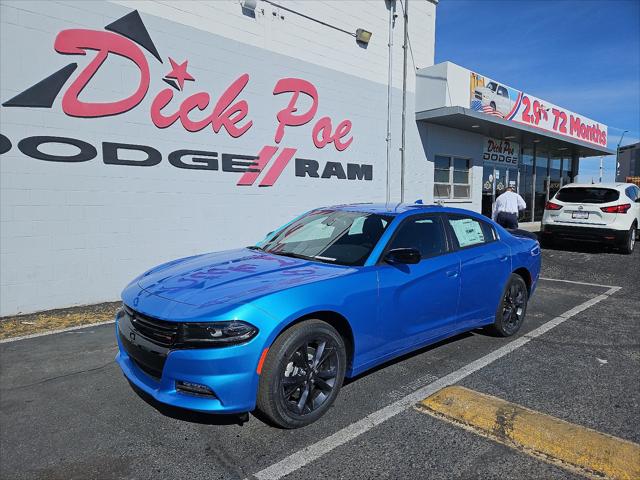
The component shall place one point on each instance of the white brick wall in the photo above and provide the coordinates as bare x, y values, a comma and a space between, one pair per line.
312, 42
76, 233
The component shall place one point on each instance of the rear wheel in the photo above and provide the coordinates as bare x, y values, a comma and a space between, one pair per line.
512, 308
630, 240
302, 374
492, 104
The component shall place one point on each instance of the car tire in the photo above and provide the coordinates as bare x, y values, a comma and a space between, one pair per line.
512, 308
629, 241
295, 391
493, 105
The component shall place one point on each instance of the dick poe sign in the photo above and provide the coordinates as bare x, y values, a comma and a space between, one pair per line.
226, 112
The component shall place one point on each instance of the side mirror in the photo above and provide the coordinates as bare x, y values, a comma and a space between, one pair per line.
403, 255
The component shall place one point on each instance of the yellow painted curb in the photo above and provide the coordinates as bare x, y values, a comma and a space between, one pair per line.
580, 447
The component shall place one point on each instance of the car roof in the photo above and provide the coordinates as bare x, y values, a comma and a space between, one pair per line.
614, 185
393, 209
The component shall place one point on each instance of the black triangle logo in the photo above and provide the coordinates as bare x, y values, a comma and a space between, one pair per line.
43, 93
132, 27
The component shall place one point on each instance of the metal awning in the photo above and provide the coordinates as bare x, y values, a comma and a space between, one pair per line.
491, 126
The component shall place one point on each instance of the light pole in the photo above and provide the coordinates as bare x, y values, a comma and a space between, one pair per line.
618, 154
601, 159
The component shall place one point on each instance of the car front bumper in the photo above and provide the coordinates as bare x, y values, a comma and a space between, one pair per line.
587, 234
230, 373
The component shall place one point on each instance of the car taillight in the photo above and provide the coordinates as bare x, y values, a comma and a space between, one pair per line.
552, 206
617, 208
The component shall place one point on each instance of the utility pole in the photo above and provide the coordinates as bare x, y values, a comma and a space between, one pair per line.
403, 147
392, 16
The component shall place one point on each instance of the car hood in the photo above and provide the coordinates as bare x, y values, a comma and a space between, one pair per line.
233, 277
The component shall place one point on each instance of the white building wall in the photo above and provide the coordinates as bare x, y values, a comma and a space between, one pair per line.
286, 33
76, 232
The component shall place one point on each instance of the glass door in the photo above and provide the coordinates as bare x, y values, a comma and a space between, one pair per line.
487, 189
495, 180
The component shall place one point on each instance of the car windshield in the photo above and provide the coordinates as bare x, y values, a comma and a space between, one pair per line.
330, 236
587, 195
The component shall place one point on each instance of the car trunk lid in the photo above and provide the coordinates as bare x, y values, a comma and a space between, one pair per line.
584, 205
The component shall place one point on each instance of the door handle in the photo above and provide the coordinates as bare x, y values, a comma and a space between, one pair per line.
504, 258
452, 273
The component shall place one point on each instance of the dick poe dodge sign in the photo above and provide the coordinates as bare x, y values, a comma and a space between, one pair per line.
502, 152
228, 113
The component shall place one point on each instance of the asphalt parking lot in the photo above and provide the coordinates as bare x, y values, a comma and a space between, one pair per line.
67, 411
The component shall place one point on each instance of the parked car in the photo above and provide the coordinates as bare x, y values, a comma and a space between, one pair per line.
602, 212
496, 96
332, 294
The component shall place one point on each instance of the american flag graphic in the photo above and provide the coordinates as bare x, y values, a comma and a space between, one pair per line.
477, 105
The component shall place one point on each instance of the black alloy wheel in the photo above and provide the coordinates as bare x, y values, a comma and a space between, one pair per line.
512, 308
302, 374
310, 376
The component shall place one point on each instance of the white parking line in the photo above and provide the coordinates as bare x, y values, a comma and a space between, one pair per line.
577, 283
313, 452
51, 332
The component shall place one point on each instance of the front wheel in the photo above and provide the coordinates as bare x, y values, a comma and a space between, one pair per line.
512, 308
630, 241
302, 374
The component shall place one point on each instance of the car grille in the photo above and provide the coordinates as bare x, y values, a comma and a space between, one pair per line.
159, 332
149, 362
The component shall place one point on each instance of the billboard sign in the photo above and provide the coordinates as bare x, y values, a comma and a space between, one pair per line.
494, 98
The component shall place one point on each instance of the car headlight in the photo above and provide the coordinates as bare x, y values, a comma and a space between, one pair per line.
216, 334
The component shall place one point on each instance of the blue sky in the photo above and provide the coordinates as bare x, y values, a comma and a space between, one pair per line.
582, 55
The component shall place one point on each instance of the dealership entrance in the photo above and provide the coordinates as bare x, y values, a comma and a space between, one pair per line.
510, 138
504, 153
495, 180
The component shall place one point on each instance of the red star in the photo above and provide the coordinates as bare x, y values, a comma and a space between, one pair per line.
179, 72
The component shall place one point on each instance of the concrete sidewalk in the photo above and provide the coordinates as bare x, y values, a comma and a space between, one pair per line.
530, 226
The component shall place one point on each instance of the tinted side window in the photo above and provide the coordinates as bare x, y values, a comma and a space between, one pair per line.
468, 231
503, 92
425, 234
631, 193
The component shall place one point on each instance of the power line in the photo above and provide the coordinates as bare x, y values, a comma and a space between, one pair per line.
310, 18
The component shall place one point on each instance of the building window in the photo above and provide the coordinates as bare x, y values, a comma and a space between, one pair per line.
452, 178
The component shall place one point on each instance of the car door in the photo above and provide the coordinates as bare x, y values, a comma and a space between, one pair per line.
418, 302
485, 266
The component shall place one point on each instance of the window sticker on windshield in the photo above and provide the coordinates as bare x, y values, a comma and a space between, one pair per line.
468, 231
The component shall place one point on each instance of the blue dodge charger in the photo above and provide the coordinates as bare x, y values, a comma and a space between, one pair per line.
335, 292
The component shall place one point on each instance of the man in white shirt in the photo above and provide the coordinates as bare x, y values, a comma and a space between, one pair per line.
506, 208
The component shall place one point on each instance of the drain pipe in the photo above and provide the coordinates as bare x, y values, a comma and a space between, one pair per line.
405, 46
392, 14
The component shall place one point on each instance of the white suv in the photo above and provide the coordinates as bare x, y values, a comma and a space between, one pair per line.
601, 212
